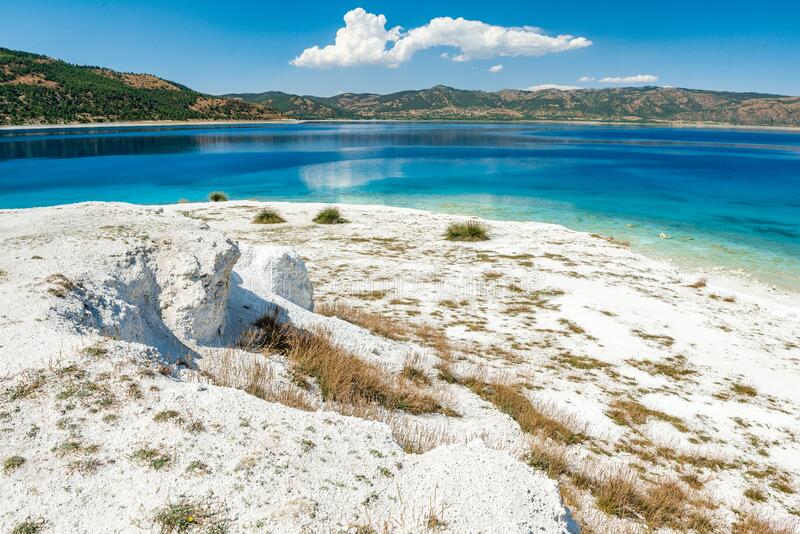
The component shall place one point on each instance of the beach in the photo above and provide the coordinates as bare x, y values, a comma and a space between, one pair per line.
620, 367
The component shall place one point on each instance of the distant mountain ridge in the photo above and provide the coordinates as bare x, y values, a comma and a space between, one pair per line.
628, 104
36, 89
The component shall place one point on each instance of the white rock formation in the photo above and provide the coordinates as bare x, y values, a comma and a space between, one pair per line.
272, 271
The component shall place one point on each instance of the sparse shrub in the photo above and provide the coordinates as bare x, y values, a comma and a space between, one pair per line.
268, 216
187, 515
166, 415
217, 196
30, 383
755, 494
152, 457
467, 231
13, 462
700, 283
415, 375
377, 324
329, 215
744, 390
29, 526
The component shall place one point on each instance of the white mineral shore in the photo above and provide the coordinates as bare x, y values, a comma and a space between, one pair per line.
95, 296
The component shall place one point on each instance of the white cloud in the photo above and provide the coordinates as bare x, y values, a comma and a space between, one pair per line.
639, 78
545, 86
496, 68
585, 79
364, 40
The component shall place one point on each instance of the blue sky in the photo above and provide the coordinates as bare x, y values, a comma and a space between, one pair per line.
247, 46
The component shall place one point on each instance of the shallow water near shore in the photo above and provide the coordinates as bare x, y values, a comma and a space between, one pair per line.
725, 198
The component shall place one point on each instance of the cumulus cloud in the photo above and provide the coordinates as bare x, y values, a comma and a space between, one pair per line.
496, 68
364, 40
639, 78
585, 79
545, 86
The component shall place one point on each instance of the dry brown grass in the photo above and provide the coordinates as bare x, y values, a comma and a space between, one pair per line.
632, 413
257, 379
414, 374
755, 524
674, 367
700, 283
375, 323
510, 400
345, 378
342, 377
436, 339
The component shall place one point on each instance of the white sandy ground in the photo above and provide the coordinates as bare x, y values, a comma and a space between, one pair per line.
575, 317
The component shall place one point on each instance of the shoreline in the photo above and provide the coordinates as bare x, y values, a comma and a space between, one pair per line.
740, 281
178, 124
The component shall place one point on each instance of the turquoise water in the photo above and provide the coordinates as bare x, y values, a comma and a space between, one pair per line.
726, 198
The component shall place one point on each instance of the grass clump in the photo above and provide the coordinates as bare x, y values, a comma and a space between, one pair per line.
152, 457
217, 196
744, 390
753, 524
467, 231
329, 215
375, 323
755, 494
187, 515
342, 376
29, 526
268, 216
631, 413
13, 462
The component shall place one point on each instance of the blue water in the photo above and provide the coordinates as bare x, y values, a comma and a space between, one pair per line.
727, 198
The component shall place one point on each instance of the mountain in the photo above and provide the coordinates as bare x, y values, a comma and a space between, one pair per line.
645, 104
36, 89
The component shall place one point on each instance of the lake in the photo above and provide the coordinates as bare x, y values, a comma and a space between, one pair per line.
727, 198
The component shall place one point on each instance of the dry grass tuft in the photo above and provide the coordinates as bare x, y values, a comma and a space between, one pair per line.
755, 524
217, 196
674, 367
744, 390
268, 216
375, 323
511, 401
345, 378
414, 374
257, 379
329, 215
188, 515
550, 458
467, 231
342, 376
436, 339
633, 413
700, 283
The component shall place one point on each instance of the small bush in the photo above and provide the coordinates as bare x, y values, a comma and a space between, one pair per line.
151, 457
467, 231
185, 515
330, 215
12, 463
217, 196
268, 216
29, 526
